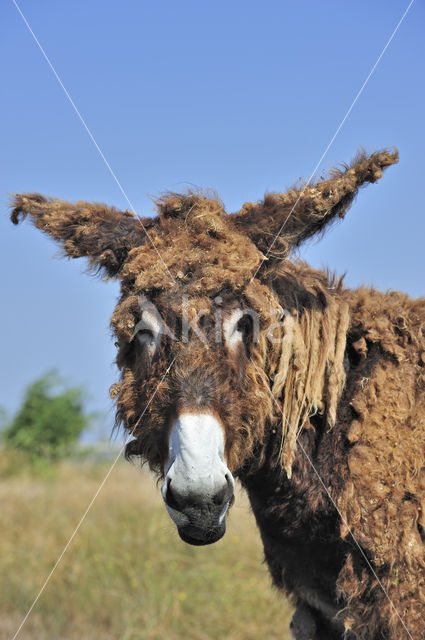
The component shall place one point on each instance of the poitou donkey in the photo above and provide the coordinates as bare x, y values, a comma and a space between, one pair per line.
238, 362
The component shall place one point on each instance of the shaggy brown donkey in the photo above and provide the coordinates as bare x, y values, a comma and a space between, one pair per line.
237, 362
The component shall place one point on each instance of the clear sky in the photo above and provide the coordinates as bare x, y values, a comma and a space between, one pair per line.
240, 96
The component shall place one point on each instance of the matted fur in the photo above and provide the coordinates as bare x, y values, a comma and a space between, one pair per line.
310, 375
306, 209
340, 372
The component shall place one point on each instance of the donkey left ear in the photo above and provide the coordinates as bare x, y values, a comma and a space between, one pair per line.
284, 220
103, 234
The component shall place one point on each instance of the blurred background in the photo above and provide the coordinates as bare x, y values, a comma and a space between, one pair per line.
241, 97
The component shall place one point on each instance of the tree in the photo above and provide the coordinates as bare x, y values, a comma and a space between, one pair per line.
3, 418
49, 421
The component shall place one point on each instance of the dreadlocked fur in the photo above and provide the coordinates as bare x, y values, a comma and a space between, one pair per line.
310, 375
324, 408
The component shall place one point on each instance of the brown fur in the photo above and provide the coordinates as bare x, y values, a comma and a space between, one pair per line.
342, 387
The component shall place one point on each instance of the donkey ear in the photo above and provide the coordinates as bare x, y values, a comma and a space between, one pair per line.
103, 234
284, 220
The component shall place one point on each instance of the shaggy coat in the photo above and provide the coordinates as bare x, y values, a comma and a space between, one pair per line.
323, 411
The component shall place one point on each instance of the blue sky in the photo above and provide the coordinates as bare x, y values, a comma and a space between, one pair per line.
243, 97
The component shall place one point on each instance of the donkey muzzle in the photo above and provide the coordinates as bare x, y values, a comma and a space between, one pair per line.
198, 487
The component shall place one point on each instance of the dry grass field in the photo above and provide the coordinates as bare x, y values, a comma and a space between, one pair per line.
126, 575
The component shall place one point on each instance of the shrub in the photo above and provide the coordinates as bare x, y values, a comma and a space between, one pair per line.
50, 420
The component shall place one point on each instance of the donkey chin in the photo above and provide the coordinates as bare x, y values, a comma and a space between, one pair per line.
198, 487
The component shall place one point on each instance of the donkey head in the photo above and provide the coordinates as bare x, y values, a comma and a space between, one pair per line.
200, 307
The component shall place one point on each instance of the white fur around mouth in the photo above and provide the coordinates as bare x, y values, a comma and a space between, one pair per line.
196, 462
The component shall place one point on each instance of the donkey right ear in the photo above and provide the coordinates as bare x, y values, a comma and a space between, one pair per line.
283, 221
103, 234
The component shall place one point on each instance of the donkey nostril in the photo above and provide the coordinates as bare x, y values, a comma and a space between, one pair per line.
225, 494
172, 499
220, 496
198, 499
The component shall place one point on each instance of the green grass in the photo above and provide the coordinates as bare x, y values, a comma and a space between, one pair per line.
126, 574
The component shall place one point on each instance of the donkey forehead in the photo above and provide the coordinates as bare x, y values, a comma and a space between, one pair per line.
166, 303
195, 261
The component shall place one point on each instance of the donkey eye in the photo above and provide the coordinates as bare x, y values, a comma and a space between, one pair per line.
145, 336
238, 328
245, 327
148, 332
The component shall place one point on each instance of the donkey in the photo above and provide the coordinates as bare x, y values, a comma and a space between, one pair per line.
239, 363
